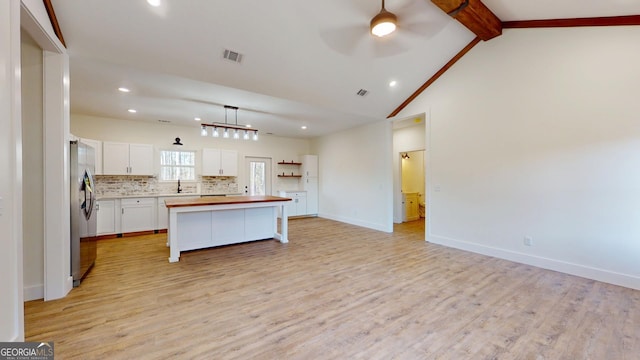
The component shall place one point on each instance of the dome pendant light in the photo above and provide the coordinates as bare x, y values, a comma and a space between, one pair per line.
384, 23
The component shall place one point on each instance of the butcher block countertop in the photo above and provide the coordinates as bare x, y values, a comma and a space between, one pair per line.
220, 200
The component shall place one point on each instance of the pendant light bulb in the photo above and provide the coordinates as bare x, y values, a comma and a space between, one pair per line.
225, 134
255, 135
203, 132
236, 134
246, 135
215, 132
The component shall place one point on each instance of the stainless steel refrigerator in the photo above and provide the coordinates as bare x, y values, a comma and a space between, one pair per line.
83, 216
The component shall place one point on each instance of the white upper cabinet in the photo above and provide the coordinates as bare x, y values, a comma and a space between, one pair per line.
310, 165
219, 162
141, 159
127, 159
97, 147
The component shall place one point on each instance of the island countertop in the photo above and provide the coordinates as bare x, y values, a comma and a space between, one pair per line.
220, 200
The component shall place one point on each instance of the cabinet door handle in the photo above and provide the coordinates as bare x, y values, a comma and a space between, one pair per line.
122, 210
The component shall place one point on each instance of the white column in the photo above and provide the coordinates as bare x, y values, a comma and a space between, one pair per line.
58, 280
11, 283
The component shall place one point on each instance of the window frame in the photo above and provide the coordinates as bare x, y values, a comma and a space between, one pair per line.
162, 166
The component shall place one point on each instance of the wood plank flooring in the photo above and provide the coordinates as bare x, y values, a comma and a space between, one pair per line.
336, 291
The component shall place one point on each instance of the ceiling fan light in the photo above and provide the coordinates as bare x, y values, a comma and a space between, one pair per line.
383, 24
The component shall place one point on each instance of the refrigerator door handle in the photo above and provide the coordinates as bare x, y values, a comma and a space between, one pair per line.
89, 194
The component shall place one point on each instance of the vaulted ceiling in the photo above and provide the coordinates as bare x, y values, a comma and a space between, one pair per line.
303, 62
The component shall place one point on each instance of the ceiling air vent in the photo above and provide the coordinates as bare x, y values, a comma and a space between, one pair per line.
164, 121
232, 56
362, 92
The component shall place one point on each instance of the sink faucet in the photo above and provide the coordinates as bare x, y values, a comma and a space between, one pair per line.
179, 188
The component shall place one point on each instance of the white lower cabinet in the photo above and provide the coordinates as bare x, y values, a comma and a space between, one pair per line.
259, 223
410, 210
162, 218
227, 226
298, 204
202, 229
137, 214
162, 221
106, 212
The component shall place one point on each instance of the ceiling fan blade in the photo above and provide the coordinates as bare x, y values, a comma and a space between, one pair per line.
389, 46
345, 39
417, 18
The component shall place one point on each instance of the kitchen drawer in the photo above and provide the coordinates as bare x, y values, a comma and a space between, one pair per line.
137, 201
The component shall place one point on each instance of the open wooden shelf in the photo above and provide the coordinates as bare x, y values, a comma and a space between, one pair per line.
289, 163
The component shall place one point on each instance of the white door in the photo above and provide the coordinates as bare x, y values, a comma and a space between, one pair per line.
258, 176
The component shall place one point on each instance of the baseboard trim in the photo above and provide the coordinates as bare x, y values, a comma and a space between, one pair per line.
33, 292
366, 224
603, 275
137, 233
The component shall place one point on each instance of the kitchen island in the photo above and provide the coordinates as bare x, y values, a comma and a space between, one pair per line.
202, 222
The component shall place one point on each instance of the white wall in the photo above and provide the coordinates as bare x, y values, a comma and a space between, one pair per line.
32, 168
162, 136
11, 300
356, 181
413, 173
536, 133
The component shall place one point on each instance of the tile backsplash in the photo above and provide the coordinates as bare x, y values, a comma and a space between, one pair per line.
127, 185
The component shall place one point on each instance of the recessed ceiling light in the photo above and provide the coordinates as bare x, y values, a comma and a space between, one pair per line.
155, 3
248, 125
123, 89
303, 127
133, 111
197, 119
393, 83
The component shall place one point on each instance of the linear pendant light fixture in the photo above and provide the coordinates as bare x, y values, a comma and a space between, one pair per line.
384, 23
226, 130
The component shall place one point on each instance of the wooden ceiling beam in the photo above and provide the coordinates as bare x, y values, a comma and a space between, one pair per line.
54, 21
575, 22
435, 76
474, 15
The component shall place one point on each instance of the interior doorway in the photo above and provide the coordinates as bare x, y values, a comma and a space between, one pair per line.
411, 148
413, 185
258, 170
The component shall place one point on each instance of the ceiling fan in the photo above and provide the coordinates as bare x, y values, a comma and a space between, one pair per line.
384, 23
390, 32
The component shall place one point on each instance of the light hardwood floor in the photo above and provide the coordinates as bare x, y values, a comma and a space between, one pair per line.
336, 291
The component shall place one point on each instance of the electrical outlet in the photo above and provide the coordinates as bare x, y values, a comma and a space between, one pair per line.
528, 241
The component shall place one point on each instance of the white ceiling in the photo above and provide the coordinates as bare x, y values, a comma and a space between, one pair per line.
303, 61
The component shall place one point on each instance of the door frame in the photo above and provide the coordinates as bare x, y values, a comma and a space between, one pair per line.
56, 125
268, 175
